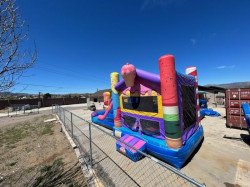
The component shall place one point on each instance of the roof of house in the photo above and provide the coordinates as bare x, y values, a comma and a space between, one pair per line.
212, 89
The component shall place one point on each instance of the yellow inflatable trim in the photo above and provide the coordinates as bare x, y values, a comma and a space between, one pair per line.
149, 114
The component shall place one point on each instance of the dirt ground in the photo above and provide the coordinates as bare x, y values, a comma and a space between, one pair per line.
218, 161
221, 161
30, 159
34, 153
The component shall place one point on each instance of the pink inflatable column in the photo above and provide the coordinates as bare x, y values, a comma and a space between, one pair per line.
170, 101
193, 71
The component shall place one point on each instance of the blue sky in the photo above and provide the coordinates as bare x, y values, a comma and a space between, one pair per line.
80, 42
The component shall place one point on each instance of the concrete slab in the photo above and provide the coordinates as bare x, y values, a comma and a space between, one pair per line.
50, 120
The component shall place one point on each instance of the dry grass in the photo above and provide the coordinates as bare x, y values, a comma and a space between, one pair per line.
34, 153
10, 136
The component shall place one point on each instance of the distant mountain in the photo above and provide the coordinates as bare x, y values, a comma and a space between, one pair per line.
97, 94
232, 85
4, 94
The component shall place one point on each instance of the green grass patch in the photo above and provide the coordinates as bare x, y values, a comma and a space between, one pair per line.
10, 136
47, 129
55, 166
14, 135
11, 146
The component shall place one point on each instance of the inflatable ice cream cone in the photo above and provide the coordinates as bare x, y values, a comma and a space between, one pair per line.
128, 74
129, 79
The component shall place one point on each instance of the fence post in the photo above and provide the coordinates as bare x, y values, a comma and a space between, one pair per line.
90, 145
60, 113
72, 133
64, 117
60, 109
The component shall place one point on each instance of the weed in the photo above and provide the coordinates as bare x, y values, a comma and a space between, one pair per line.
13, 135
10, 146
28, 149
47, 129
55, 174
30, 169
12, 164
56, 164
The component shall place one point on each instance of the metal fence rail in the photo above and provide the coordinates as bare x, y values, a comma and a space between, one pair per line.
98, 147
22, 109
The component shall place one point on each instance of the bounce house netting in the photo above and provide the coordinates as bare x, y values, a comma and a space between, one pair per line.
187, 104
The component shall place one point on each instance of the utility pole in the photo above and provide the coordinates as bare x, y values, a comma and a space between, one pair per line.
39, 101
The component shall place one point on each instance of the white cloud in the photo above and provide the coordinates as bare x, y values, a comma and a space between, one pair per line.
193, 41
226, 67
221, 67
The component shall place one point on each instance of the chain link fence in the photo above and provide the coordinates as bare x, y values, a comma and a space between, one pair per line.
22, 109
98, 147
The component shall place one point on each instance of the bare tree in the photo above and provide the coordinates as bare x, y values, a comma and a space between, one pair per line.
14, 58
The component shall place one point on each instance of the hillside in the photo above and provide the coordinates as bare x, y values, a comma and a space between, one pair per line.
100, 92
232, 85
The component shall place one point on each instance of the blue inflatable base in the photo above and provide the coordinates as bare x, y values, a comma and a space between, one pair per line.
159, 149
246, 110
108, 122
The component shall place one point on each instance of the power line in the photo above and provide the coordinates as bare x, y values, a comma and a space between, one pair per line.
75, 74
70, 70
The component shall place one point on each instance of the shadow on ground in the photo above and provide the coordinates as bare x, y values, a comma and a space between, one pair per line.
245, 138
194, 152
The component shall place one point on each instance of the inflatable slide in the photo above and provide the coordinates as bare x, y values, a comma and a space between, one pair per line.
105, 117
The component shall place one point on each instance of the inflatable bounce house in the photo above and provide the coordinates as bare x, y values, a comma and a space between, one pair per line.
111, 113
156, 114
